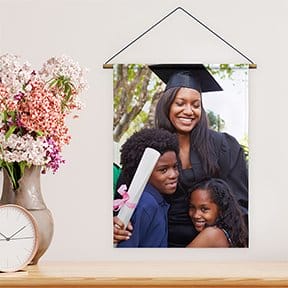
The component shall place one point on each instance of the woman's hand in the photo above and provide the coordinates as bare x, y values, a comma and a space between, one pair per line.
119, 233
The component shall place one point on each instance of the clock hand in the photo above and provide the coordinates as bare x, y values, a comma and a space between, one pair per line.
20, 238
16, 232
4, 236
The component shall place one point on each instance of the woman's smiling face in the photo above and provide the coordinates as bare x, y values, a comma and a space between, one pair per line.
202, 210
185, 110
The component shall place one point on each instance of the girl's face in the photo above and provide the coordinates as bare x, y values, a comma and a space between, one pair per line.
165, 173
202, 210
185, 110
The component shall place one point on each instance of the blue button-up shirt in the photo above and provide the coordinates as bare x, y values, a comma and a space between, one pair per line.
149, 220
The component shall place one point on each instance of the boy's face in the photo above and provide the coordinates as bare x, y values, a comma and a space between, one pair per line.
165, 174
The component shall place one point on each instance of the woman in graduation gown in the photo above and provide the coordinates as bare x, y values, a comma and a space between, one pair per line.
203, 152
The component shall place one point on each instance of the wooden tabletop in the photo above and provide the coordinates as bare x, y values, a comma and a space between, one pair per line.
149, 274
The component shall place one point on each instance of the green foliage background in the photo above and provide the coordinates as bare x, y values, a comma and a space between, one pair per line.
136, 92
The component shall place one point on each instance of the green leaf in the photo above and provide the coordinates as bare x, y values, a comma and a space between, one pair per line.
53, 83
5, 116
22, 166
39, 133
10, 132
11, 172
12, 114
67, 89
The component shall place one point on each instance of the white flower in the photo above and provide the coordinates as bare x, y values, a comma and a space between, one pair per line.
13, 74
27, 99
24, 148
64, 66
28, 87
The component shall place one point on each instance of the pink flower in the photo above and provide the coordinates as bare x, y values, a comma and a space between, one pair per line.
34, 106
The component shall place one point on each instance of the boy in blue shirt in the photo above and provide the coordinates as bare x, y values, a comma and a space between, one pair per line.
149, 220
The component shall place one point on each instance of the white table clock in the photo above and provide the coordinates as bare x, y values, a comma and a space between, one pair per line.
18, 238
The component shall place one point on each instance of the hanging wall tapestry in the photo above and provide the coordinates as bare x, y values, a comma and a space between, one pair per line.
180, 155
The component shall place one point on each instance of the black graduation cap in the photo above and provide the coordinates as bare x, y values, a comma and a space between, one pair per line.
194, 76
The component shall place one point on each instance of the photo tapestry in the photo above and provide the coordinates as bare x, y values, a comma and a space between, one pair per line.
180, 165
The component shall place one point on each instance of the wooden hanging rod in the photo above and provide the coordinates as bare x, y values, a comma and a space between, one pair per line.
110, 66
107, 66
252, 66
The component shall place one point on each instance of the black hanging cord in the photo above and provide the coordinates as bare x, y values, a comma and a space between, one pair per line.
205, 26
133, 41
162, 19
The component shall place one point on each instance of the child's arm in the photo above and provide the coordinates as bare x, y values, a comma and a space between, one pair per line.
210, 237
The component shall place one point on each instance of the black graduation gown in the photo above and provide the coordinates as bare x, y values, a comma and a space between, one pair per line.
233, 169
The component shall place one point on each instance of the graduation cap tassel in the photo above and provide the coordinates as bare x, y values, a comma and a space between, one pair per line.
107, 65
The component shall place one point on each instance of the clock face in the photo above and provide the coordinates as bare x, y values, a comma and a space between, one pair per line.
18, 238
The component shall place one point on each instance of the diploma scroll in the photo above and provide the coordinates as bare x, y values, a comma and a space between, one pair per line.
138, 183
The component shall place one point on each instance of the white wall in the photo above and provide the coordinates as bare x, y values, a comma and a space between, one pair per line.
91, 31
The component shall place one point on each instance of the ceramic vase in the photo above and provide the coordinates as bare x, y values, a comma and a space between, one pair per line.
29, 196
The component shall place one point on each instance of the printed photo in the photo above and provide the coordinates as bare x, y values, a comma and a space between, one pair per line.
180, 165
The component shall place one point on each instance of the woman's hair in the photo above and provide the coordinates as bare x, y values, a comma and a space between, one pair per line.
133, 149
230, 217
199, 136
